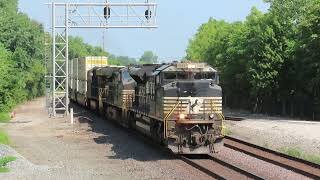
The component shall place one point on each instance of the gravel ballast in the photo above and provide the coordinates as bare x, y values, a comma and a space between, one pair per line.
52, 148
94, 148
21, 165
277, 133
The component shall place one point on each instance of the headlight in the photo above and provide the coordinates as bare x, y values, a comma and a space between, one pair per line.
211, 116
182, 116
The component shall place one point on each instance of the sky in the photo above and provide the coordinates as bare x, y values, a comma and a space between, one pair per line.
178, 21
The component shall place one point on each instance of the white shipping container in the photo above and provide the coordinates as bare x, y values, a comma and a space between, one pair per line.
79, 69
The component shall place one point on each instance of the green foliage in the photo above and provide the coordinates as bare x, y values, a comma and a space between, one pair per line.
9, 6
21, 57
4, 170
78, 48
148, 57
4, 117
298, 153
268, 62
294, 152
6, 101
22, 68
226, 131
4, 161
308, 53
121, 60
4, 139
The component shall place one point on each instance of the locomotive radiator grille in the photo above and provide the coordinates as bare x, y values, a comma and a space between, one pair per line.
127, 98
192, 106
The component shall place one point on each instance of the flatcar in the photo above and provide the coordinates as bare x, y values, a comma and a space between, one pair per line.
179, 105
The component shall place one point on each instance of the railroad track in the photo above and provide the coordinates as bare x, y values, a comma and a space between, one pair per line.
217, 168
297, 165
231, 118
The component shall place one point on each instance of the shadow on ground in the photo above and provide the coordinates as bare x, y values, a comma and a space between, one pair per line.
125, 143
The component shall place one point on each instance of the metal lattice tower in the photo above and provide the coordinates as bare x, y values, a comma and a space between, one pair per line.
48, 70
66, 16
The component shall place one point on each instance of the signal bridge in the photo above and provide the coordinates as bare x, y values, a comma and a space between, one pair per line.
72, 15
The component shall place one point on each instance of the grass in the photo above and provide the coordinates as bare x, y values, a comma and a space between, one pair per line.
266, 145
4, 117
4, 161
226, 131
298, 153
4, 139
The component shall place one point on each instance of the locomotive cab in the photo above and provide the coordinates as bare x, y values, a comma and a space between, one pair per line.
192, 107
179, 104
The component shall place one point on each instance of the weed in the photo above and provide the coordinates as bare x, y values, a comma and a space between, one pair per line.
4, 161
313, 158
294, 152
226, 131
298, 153
4, 117
4, 139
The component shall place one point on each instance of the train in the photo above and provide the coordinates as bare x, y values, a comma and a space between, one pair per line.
178, 104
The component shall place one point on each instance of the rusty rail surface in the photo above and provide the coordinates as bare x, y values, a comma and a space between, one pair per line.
231, 118
217, 168
297, 165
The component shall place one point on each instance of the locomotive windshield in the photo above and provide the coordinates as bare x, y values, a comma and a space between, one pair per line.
188, 75
205, 75
176, 75
170, 75
182, 75
126, 75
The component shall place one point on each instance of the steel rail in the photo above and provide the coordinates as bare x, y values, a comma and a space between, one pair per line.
231, 118
217, 173
297, 165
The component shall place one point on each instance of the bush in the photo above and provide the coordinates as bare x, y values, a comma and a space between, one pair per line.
4, 161
4, 117
298, 153
4, 139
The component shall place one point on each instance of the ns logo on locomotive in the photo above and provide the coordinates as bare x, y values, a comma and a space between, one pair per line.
177, 104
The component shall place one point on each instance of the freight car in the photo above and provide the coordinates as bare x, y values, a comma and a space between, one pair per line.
178, 105
79, 76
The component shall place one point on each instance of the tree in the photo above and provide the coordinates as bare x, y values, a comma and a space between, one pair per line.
78, 48
148, 57
307, 64
22, 40
5, 94
121, 60
266, 61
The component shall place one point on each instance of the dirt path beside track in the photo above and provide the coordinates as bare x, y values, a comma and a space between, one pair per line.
96, 150
277, 133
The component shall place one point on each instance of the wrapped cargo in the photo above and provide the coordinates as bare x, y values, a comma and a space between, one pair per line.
79, 69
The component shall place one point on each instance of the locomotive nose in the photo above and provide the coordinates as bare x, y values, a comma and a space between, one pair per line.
199, 88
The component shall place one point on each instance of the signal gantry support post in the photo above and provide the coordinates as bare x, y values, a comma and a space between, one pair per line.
66, 16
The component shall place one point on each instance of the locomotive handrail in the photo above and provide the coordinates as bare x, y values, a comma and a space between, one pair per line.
167, 116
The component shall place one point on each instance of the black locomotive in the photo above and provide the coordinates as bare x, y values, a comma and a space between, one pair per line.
177, 104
